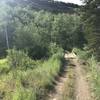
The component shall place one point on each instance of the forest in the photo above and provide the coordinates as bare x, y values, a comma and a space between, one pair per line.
35, 36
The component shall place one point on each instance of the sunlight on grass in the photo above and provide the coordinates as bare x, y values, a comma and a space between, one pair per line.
4, 68
30, 84
3, 61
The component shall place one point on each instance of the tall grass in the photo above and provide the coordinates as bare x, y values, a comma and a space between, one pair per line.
93, 71
31, 83
3, 66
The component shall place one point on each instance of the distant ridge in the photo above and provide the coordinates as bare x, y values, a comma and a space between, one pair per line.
49, 5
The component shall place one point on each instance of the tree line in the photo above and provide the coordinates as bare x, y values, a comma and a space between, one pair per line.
91, 19
35, 31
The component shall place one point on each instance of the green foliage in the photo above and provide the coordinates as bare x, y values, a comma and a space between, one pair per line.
64, 30
34, 31
95, 76
91, 17
83, 54
21, 94
54, 49
4, 66
48, 5
29, 84
18, 59
93, 71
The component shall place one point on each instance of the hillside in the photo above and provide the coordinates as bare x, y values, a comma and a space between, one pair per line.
48, 5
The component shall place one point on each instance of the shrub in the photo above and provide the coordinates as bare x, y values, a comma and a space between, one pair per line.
19, 59
83, 54
55, 49
3, 66
41, 79
93, 71
95, 76
29, 84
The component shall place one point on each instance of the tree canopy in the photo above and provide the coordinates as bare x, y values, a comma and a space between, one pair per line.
91, 17
34, 31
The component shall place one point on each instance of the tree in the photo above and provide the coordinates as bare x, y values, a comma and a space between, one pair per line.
91, 17
35, 31
65, 29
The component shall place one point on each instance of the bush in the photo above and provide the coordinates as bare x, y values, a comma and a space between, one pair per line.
29, 84
19, 59
93, 70
55, 49
95, 76
83, 54
41, 79
3, 66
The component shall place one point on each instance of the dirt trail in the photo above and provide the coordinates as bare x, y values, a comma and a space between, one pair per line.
58, 89
60, 83
56, 95
81, 85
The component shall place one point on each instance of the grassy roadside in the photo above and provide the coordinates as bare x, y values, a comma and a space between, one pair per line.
30, 84
93, 75
92, 71
3, 66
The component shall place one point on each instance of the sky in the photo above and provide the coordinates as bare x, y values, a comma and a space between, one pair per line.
72, 1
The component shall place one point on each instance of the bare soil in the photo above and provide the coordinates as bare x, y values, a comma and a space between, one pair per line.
82, 86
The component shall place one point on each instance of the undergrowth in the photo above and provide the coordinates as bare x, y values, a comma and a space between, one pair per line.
28, 83
93, 71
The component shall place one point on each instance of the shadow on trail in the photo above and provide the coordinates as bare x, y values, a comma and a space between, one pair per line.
63, 71
60, 79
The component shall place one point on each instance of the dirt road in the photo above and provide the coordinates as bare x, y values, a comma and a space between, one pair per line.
82, 91
82, 86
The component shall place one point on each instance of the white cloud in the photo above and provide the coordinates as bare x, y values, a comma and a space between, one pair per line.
72, 1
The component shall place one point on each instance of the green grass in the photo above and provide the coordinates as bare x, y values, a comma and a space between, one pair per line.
2, 61
4, 66
30, 84
93, 72
84, 55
